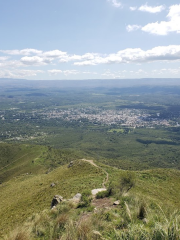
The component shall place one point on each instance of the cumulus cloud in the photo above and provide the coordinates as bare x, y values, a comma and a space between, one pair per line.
133, 8
163, 27
129, 55
27, 51
55, 71
131, 28
54, 54
35, 60
150, 9
70, 72
2, 59
20, 73
65, 72
115, 3
136, 55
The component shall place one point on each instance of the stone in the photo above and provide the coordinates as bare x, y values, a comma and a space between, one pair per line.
56, 200
116, 202
77, 197
95, 191
70, 164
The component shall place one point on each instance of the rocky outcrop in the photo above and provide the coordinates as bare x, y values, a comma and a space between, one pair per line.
56, 199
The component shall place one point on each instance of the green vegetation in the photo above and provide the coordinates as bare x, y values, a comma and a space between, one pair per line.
142, 163
139, 215
27, 194
16, 159
116, 130
22, 121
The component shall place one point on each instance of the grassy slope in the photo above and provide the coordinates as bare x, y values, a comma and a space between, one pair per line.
16, 159
19, 159
24, 194
28, 194
158, 185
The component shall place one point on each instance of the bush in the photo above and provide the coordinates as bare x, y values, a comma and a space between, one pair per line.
127, 181
85, 199
102, 194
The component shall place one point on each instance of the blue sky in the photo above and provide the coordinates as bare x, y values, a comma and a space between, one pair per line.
89, 39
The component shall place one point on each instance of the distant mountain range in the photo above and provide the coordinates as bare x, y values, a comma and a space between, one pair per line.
106, 83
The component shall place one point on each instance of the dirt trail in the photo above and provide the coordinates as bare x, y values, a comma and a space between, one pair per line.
107, 174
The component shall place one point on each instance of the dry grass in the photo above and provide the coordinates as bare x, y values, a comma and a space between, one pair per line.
19, 234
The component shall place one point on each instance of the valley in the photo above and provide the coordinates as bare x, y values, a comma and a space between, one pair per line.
125, 141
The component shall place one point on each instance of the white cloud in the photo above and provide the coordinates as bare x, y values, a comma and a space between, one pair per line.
150, 9
55, 71
115, 3
54, 54
165, 27
131, 28
27, 51
2, 59
70, 72
129, 55
35, 60
136, 55
14, 73
133, 8
65, 72
10, 64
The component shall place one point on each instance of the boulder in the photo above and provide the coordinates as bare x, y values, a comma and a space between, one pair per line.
56, 199
116, 202
77, 197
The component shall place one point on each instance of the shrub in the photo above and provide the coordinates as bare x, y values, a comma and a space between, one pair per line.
102, 194
85, 199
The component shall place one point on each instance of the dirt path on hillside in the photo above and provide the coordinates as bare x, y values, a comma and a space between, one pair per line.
107, 174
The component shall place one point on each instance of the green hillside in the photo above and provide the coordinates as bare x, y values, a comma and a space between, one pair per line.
26, 194
16, 159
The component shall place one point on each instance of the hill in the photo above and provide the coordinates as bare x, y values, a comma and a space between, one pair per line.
26, 198
17, 159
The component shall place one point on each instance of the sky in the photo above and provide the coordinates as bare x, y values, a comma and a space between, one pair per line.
89, 39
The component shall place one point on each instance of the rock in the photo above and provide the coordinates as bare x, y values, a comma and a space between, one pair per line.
53, 184
56, 199
95, 191
116, 202
70, 164
53, 208
145, 220
77, 197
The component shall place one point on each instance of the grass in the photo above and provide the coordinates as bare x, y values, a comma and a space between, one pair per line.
16, 159
122, 223
149, 194
28, 194
154, 195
